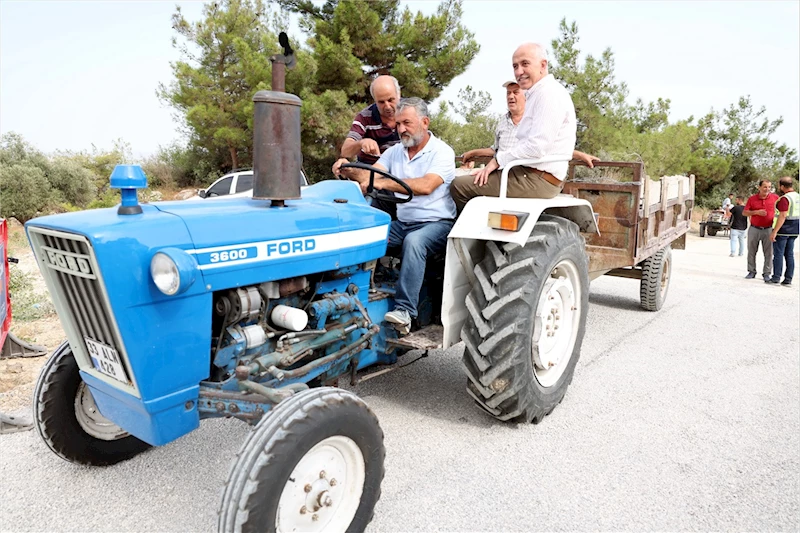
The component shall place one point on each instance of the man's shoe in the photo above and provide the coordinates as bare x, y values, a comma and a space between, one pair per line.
731, 255
398, 316
768, 279
785, 283
771, 281
750, 275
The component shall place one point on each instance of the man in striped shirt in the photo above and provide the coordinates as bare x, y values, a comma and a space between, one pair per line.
547, 129
374, 130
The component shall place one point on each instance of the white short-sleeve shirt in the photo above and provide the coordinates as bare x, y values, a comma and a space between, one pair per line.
435, 158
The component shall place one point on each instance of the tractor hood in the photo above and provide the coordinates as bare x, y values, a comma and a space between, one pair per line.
243, 241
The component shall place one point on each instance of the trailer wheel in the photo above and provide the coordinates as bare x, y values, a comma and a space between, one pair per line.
712, 232
315, 463
527, 316
702, 230
68, 420
656, 273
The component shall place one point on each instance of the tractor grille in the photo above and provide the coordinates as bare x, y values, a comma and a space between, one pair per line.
70, 269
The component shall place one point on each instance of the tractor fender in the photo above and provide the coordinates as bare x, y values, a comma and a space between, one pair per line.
466, 245
473, 223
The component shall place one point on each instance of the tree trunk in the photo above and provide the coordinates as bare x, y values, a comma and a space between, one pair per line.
234, 156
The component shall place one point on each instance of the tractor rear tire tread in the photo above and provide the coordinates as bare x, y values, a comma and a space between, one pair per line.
497, 335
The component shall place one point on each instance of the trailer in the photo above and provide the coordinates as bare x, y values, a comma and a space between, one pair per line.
640, 222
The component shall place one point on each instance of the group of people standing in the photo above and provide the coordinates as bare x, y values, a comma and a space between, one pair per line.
392, 135
774, 226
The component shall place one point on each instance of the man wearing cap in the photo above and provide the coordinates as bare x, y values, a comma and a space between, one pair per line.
505, 137
548, 129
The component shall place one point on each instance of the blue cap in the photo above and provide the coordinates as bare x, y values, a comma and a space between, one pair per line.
128, 177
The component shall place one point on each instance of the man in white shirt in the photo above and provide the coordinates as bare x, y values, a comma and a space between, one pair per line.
505, 137
427, 165
548, 129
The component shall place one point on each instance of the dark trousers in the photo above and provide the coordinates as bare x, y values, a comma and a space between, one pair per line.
783, 250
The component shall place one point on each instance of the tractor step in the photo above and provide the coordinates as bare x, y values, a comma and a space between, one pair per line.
427, 338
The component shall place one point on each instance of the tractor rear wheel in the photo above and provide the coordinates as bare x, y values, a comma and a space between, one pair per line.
702, 230
69, 421
527, 316
314, 463
712, 232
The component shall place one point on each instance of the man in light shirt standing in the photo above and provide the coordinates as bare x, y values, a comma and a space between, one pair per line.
548, 129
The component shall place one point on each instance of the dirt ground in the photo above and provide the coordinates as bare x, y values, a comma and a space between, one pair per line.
18, 376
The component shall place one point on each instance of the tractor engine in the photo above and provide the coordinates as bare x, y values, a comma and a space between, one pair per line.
277, 336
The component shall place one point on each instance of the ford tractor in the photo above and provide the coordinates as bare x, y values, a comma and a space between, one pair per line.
255, 309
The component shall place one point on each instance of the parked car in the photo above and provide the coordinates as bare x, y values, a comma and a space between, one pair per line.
235, 184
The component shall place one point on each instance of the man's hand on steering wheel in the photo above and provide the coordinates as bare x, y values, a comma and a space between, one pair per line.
369, 188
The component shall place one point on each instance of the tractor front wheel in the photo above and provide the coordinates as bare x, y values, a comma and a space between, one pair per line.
315, 463
527, 316
69, 421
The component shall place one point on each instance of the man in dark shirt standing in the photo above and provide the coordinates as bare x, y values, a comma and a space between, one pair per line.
761, 210
738, 226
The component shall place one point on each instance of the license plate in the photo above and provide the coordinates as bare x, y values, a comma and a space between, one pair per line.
106, 360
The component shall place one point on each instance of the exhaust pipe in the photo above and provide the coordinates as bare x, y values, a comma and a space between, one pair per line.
277, 159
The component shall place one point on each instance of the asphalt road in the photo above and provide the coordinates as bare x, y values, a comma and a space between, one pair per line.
685, 419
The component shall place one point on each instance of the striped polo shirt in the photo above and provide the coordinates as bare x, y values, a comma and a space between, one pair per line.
368, 125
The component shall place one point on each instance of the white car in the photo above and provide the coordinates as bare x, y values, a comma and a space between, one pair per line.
235, 184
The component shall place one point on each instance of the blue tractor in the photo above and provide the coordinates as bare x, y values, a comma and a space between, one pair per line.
255, 308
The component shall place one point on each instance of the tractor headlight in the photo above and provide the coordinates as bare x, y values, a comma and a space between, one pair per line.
173, 270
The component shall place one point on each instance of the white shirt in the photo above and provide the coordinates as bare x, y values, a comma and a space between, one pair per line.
505, 137
547, 129
435, 158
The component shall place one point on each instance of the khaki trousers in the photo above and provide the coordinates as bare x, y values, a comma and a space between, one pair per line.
523, 182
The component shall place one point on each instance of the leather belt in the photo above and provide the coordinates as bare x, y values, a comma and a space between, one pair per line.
762, 227
546, 176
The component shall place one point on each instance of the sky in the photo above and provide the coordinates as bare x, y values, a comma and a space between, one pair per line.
76, 75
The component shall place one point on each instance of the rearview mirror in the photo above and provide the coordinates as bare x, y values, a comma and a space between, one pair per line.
201, 193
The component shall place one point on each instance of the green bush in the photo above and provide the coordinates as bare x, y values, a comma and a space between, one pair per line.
109, 198
72, 183
24, 191
26, 304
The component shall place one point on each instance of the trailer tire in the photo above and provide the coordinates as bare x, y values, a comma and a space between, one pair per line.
277, 482
656, 273
712, 232
702, 230
515, 372
68, 420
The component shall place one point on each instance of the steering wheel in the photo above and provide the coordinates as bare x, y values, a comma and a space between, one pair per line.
378, 194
